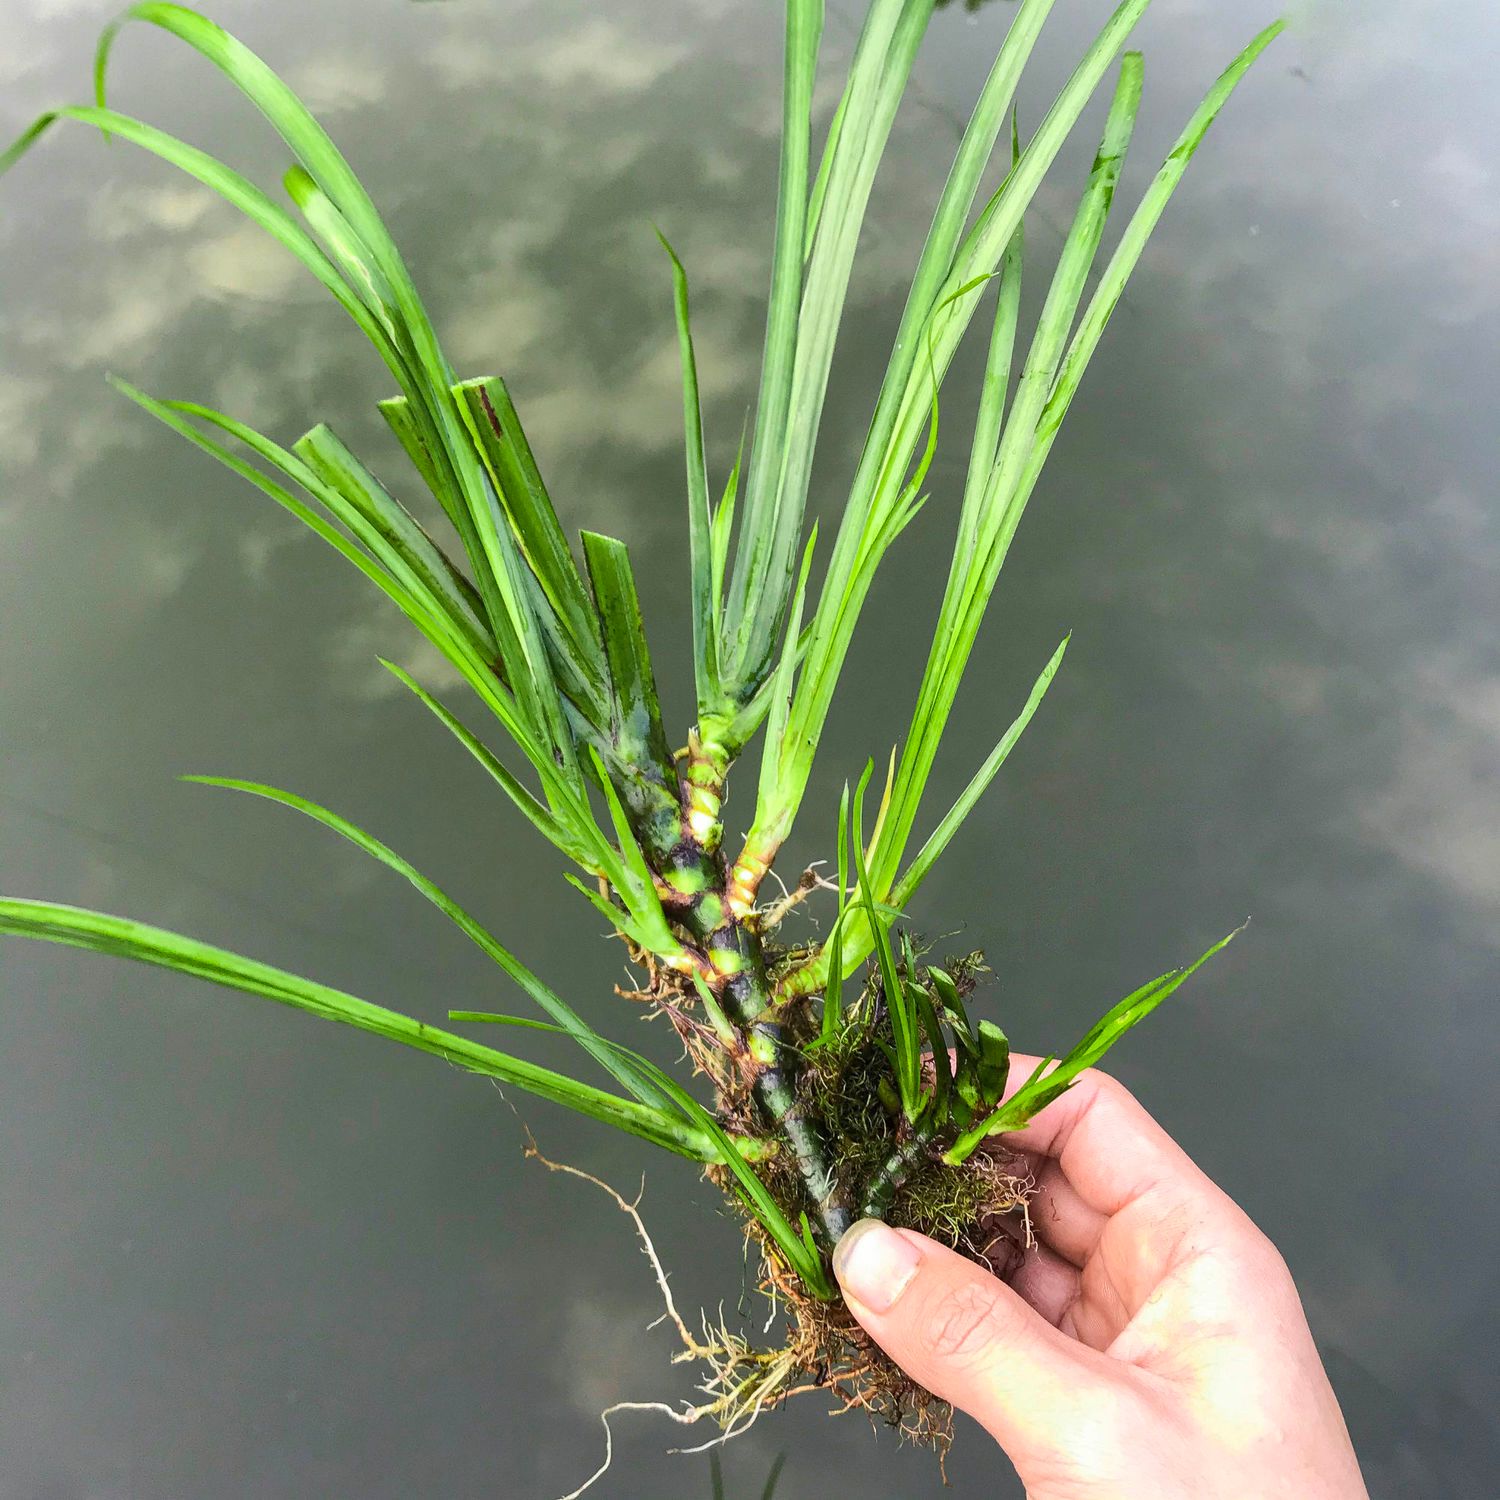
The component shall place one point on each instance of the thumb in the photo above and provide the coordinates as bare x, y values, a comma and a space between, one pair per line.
968, 1338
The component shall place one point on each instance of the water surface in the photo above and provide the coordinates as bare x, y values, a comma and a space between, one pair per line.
241, 1254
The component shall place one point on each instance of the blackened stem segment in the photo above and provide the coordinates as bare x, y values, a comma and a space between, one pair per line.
737, 960
682, 842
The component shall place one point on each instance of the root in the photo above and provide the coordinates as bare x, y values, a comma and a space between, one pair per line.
626, 1206
810, 881
838, 1357
609, 1437
978, 1208
743, 1383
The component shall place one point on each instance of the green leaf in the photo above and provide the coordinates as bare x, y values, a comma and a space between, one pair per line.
575, 844
776, 493
723, 525
795, 219
397, 411
781, 683
399, 329
495, 426
700, 522
957, 815
723, 1027
937, 1046
632, 879
907, 1051
952, 1005
500, 571
880, 489
797, 1245
978, 555
820, 183
936, 268
421, 607
121, 937
235, 189
833, 993
1128, 253
993, 509
801, 1252
344, 246
416, 605
638, 728
990, 420
994, 1061
1044, 1086
475, 931
431, 617
338, 467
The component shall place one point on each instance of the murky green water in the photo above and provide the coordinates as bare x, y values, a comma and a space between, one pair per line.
241, 1254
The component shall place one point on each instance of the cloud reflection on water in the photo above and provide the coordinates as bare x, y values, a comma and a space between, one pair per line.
1272, 521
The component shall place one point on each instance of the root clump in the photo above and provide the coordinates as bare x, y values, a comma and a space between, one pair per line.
843, 1082
977, 1208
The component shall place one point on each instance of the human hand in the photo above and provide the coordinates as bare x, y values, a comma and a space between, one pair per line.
1150, 1345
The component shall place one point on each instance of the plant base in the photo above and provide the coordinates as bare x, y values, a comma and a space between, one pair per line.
979, 1210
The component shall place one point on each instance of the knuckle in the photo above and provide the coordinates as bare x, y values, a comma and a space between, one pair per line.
965, 1324
1106, 1084
1265, 1258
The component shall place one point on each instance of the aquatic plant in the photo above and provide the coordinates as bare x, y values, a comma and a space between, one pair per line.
809, 1094
768, 1492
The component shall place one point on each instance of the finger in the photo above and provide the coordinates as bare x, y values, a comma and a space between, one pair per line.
1109, 1149
1050, 1284
1060, 1218
1084, 1301
970, 1339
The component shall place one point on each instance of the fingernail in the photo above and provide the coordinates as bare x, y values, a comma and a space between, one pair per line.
874, 1264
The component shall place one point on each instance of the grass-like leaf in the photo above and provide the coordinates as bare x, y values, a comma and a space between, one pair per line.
794, 1243
706, 591
638, 733
1047, 1082
544, 819
230, 185
122, 938
974, 572
765, 562
495, 425
833, 985
327, 456
904, 1028
547, 999
957, 815
1133, 242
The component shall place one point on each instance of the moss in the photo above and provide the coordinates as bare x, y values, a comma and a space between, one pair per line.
970, 1208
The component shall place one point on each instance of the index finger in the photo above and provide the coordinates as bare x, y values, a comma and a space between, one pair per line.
1108, 1147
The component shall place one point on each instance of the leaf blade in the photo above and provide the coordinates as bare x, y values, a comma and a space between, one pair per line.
121, 937
1043, 1086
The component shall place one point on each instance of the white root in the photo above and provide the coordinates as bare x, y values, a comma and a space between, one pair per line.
743, 1395
609, 1437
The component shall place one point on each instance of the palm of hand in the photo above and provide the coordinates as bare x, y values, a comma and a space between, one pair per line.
1157, 1347
1139, 1257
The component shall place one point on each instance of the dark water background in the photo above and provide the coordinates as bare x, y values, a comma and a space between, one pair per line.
245, 1255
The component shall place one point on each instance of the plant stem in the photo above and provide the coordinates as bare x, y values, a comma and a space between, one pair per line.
735, 954
681, 836
883, 1186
